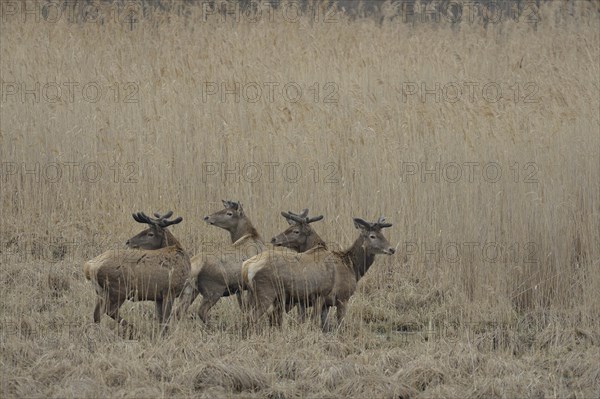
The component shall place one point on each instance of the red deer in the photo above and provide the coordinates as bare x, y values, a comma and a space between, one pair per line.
216, 275
154, 267
299, 237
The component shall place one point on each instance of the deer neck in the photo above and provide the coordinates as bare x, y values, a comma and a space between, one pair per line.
358, 258
312, 241
170, 240
244, 228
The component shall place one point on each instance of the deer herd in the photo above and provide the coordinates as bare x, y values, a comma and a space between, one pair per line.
297, 270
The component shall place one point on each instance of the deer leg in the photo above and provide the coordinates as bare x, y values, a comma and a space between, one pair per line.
271, 313
159, 310
276, 316
112, 310
238, 296
324, 314
244, 300
250, 313
166, 314
265, 300
280, 309
98, 309
188, 294
249, 300
207, 303
318, 306
340, 313
168, 307
303, 304
256, 315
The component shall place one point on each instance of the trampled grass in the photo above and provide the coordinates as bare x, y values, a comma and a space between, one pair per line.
480, 144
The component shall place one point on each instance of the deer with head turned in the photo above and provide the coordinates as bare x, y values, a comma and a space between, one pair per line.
318, 278
299, 237
156, 236
154, 267
218, 275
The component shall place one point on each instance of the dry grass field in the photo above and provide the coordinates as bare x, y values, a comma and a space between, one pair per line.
479, 143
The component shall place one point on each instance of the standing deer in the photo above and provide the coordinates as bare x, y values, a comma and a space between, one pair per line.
153, 268
219, 275
299, 237
319, 277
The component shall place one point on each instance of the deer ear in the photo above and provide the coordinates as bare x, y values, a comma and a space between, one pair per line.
238, 207
231, 205
360, 224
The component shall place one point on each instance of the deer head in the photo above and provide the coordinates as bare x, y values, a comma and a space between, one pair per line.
300, 236
156, 236
373, 240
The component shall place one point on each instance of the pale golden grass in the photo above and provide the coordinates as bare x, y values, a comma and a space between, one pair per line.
420, 325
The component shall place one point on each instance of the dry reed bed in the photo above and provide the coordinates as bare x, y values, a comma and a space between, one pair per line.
422, 322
